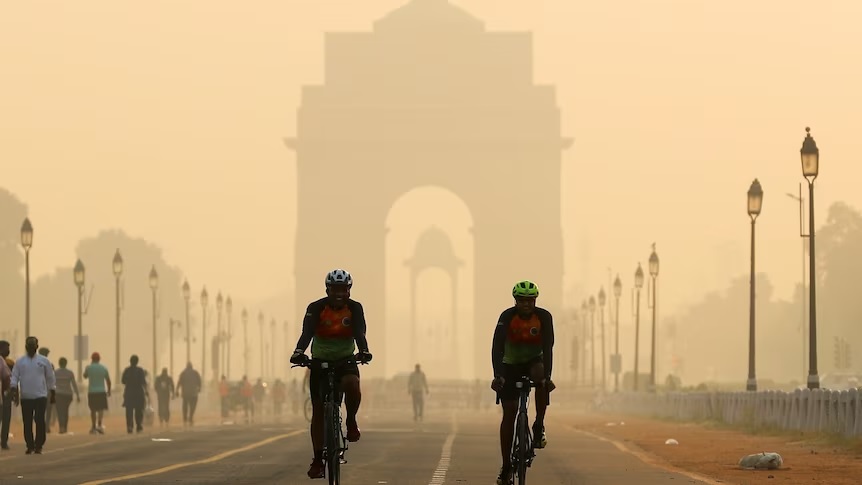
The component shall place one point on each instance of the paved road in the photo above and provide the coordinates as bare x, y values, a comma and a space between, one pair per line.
392, 451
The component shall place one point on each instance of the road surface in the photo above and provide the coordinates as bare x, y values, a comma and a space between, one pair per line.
453, 449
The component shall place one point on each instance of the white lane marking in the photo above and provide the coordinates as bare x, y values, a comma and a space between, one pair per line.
439, 476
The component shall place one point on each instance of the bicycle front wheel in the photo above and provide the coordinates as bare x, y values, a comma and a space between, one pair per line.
333, 444
307, 410
522, 449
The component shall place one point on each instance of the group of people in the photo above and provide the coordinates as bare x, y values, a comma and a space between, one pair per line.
522, 344
33, 382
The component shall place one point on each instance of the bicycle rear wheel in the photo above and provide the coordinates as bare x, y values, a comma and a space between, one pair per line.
522, 449
333, 445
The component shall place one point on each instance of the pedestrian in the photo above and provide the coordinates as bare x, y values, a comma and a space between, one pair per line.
164, 386
50, 415
98, 392
33, 385
417, 386
66, 386
135, 394
190, 385
224, 395
247, 393
6, 408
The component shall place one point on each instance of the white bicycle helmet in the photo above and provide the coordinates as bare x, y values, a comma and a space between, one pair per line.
339, 277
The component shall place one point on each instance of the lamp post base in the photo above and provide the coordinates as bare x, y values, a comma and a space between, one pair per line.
751, 384
813, 381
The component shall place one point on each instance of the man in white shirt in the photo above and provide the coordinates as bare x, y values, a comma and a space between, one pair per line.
33, 385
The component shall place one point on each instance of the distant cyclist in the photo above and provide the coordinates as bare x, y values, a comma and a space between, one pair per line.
334, 326
523, 345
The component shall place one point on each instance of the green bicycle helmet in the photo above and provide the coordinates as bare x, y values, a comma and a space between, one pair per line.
526, 289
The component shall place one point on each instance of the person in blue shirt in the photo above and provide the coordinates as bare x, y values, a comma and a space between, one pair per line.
98, 392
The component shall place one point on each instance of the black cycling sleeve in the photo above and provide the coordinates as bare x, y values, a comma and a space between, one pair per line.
498, 346
359, 326
548, 344
309, 322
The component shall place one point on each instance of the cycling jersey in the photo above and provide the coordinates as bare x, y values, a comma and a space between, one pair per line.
518, 341
333, 334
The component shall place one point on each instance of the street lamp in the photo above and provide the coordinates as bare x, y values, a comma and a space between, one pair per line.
755, 202
79, 274
617, 364
810, 155
219, 304
178, 324
187, 294
204, 302
26, 243
639, 283
653, 272
584, 343
262, 353
229, 335
272, 349
117, 266
154, 285
602, 326
245, 340
592, 306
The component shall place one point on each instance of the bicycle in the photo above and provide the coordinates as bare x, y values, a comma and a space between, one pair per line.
523, 453
334, 441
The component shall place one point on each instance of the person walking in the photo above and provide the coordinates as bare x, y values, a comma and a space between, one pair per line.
6, 407
135, 394
190, 386
98, 392
165, 390
33, 386
50, 415
417, 387
66, 386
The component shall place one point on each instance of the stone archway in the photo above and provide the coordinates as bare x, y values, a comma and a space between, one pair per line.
429, 97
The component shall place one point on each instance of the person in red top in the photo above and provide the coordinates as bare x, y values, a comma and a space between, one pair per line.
334, 326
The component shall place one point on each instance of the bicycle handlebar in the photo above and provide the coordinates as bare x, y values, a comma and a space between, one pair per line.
353, 359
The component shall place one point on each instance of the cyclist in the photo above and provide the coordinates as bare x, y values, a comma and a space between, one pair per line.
334, 326
523, 345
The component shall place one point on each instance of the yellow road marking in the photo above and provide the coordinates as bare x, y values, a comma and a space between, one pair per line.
212, 459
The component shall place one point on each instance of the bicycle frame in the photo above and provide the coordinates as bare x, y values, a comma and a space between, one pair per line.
334, 441
522, 444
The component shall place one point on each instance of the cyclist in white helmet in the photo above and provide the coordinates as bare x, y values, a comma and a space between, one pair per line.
334, 326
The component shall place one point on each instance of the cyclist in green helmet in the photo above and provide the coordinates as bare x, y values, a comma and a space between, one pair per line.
523, 345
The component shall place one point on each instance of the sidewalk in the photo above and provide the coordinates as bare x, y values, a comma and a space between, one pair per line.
714, 452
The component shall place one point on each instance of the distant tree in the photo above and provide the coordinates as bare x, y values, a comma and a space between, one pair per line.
12, 213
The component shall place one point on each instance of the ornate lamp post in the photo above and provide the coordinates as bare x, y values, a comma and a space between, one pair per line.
27, 243
205, 299
154, 286
755, 202
810, 168
602, 326
79, 274
186, 296
618, 291
117, 266
653, 271
639, 283
592, 306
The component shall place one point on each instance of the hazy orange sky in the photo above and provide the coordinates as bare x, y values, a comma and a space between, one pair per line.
166, 119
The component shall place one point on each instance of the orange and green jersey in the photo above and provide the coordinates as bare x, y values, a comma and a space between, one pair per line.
333, 333
519, 341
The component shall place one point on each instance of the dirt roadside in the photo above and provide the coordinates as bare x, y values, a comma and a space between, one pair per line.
714, 451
